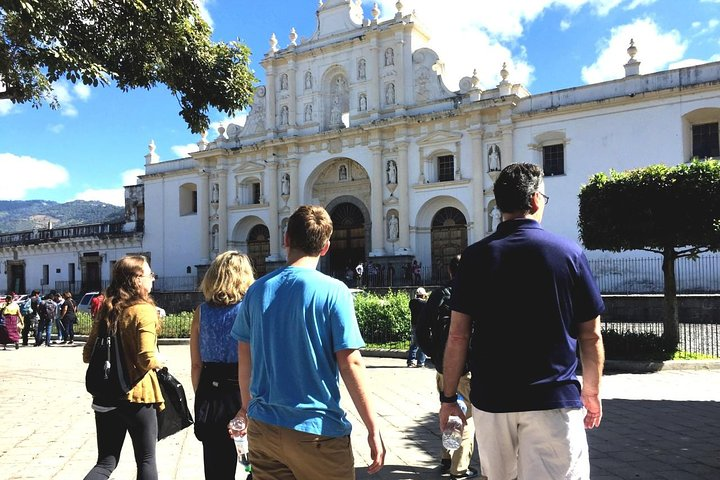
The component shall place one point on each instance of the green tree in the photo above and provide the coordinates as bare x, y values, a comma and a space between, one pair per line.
670, 210
131, 43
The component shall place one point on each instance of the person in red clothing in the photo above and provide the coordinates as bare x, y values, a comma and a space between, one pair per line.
95, 304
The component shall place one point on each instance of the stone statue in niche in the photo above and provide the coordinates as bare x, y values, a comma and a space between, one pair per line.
308, 112
342, 173
284, 114
393, 227
391, 172
285, 184
494, 158
390, 94
215, 194
308, 81
361, 74
214, 240
283, 81
389, 57
496, 215
362, 103
335, 112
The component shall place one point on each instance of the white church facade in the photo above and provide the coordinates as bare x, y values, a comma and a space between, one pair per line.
357, 119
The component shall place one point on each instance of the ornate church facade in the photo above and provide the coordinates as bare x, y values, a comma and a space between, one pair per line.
357, 118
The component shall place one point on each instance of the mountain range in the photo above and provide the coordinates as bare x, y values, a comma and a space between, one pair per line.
22, 215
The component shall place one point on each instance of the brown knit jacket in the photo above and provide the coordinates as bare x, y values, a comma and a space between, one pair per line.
137, 326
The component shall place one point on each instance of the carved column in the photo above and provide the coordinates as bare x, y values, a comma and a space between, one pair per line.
478, 185
203, 206
272, 194
222, 210
377, 190
271, 107
374, 79
294, 200
292, 87
506, 153
403, 196
400, 100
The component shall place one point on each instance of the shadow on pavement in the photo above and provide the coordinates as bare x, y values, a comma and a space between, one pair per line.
399, 472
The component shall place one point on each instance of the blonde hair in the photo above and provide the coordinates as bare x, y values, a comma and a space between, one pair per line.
227, 279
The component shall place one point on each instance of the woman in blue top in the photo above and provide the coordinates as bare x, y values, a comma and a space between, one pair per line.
214, 357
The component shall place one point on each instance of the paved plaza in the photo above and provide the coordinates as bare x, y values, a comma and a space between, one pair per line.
663, 425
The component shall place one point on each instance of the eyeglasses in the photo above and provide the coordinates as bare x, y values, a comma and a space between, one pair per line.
547, 199
150, 275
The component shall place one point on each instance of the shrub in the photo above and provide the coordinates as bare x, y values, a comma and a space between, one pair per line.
176, 325
383, 319
629, 345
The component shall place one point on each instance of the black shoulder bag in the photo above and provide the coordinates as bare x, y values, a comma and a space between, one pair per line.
106, 377
176, 416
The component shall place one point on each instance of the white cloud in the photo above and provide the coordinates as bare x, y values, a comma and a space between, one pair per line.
182, 151
565, 24
113, 196
82, 91
656, 50
65, 99
639, 3
5, 107
56, 128
204, 13
690, 62
52, 176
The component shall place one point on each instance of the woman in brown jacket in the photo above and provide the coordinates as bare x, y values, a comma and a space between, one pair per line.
129, 308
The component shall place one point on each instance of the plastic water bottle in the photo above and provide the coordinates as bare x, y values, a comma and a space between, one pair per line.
236, 427
452, 435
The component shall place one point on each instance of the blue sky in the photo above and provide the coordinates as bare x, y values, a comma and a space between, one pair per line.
96, 142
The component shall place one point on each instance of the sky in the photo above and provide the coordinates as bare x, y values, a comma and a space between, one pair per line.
95, 143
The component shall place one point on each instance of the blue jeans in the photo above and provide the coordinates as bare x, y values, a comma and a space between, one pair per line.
61, 335
415, 353
46, 327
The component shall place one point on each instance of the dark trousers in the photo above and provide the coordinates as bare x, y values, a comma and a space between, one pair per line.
140, 421
220, 458
69, 326
26, 329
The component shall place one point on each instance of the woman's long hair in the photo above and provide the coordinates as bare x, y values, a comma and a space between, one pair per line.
227, 279
124, 290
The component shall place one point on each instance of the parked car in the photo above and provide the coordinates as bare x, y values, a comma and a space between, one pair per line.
84, 304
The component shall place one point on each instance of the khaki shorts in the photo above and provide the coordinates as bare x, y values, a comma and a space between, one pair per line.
278, 453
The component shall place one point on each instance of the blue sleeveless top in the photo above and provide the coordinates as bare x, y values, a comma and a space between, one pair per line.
216, 343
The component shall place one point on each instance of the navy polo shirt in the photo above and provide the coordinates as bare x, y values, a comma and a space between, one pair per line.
526, 290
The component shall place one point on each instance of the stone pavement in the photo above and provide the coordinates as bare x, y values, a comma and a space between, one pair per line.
664, 425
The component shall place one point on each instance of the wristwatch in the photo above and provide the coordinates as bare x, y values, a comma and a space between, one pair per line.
450, 399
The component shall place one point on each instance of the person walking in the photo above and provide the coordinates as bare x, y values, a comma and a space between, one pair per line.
12, 323
416, 356
61, 333
68, 316
214, 361
46, 311
529, 292
297, 334
129, 310
31, 318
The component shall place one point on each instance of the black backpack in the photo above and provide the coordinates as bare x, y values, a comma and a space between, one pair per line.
433, 326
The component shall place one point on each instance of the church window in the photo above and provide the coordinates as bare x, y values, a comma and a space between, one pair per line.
705, 141
446, 168
553, 159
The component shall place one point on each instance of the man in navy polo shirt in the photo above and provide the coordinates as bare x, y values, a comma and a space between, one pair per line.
529, 301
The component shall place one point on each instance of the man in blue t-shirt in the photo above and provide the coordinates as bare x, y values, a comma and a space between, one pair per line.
528, 300
297, 334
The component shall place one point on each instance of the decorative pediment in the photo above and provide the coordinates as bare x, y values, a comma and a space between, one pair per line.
439, 138
249, 166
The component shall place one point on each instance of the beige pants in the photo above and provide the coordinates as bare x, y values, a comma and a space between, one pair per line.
460, 458
278, 453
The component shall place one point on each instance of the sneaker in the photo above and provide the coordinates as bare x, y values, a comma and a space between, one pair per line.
469, 473
420, 365
445, 466
412, 364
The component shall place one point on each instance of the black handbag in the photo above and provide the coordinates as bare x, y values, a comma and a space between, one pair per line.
176, 415
106, 376
217, 400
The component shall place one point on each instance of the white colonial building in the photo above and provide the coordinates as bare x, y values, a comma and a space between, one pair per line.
357, 118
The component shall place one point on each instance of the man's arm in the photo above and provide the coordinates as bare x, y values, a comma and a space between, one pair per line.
244, 373
352, 370
592, 356
454, 363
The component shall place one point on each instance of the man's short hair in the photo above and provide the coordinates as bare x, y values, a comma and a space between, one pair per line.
309, 227
516, 185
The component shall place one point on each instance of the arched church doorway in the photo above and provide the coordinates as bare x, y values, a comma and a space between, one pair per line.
448, 238
347, 244
258, 244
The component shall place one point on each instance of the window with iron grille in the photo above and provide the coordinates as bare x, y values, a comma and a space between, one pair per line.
256, 193
705, 140
446, 168
554, 159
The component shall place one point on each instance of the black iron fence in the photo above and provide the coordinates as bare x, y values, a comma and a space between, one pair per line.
695, 338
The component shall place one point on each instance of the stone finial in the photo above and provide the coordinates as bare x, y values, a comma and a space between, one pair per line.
632, 51
375, 12
151, 147
273, 43
151, 157
399, 6
293, 36
503, 72
221, 131
474, 79
203, 143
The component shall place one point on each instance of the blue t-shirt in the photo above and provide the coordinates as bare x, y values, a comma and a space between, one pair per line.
526, 290
216, 345
295, 319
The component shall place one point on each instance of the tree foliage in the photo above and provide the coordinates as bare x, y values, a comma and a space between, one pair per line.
671, 210
653, 208
132, 43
